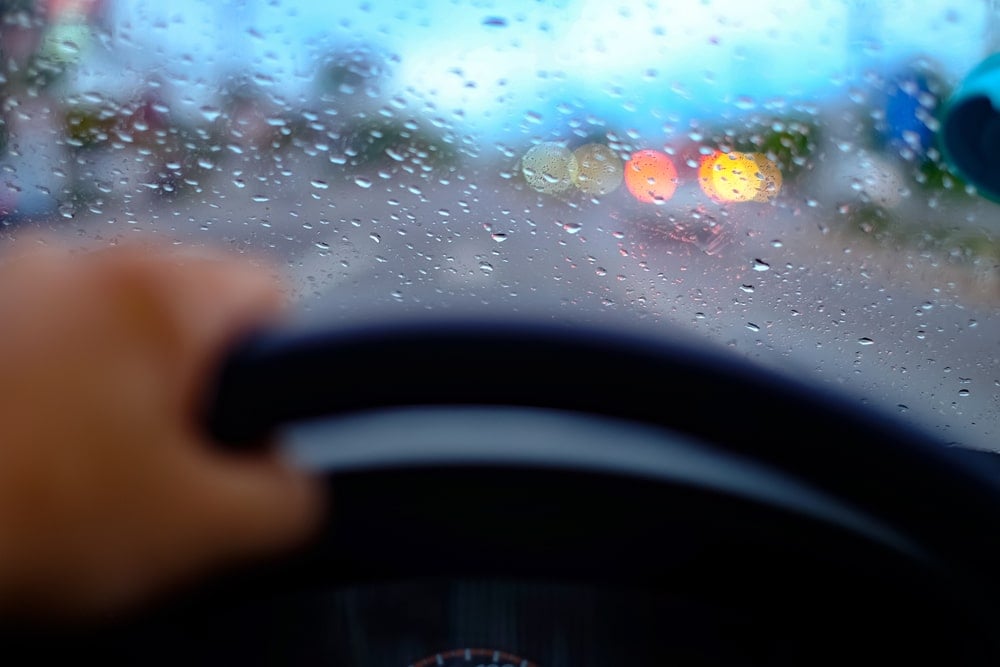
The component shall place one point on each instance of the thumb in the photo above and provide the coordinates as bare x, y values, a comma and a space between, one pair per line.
256, 506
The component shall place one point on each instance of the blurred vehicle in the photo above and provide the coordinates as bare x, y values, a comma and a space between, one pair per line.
726, 232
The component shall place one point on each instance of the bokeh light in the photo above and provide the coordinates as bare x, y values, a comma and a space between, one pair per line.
729, 177
770, 178
651, 176
600, 170
549, 167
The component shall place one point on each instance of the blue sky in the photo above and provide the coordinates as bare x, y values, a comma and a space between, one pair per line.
498, 62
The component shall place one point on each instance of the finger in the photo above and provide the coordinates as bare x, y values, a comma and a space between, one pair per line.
258, 506
219, 303
193, 306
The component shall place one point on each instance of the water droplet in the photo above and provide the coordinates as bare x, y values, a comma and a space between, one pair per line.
362, 182
486, 267
572, 227
964, 392
375, 237
262, 79
533, 117
865, 341
752, 327
210, 113
69, 47
760, 265
319, 185
499, 237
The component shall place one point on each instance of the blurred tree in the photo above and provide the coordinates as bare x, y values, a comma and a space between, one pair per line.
385, 141
790, 142
20, 34
349, 82
346, 72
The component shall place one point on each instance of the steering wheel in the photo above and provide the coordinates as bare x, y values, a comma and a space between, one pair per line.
792, 523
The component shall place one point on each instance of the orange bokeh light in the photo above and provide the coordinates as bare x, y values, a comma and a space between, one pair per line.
651, 176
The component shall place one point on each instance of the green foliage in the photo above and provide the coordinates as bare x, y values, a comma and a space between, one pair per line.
89, 127
871, 219
934, 175
8, 8
383, 141
351, 70
790, 143
959, 242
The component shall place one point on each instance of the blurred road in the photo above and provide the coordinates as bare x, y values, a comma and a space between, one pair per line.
781, 282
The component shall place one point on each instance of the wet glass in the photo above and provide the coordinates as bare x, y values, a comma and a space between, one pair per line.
769, 178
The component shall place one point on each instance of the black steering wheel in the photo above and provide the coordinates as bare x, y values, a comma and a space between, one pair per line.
794, 523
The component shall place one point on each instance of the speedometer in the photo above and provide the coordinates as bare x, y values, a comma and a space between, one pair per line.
469, 657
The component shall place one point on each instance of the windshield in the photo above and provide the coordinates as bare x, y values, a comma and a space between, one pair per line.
766, 177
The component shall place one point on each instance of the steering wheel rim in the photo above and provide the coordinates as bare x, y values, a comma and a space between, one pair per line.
873, 460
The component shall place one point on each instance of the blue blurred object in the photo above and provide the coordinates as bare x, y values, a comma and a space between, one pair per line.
970, 128
909, 106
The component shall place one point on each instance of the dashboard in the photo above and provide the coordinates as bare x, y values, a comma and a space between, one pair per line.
530, 623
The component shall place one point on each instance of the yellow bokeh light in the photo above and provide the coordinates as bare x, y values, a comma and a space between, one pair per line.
651, 176
599, 169
769, 176
729, 177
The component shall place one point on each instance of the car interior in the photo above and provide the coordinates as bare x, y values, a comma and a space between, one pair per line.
625, 332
